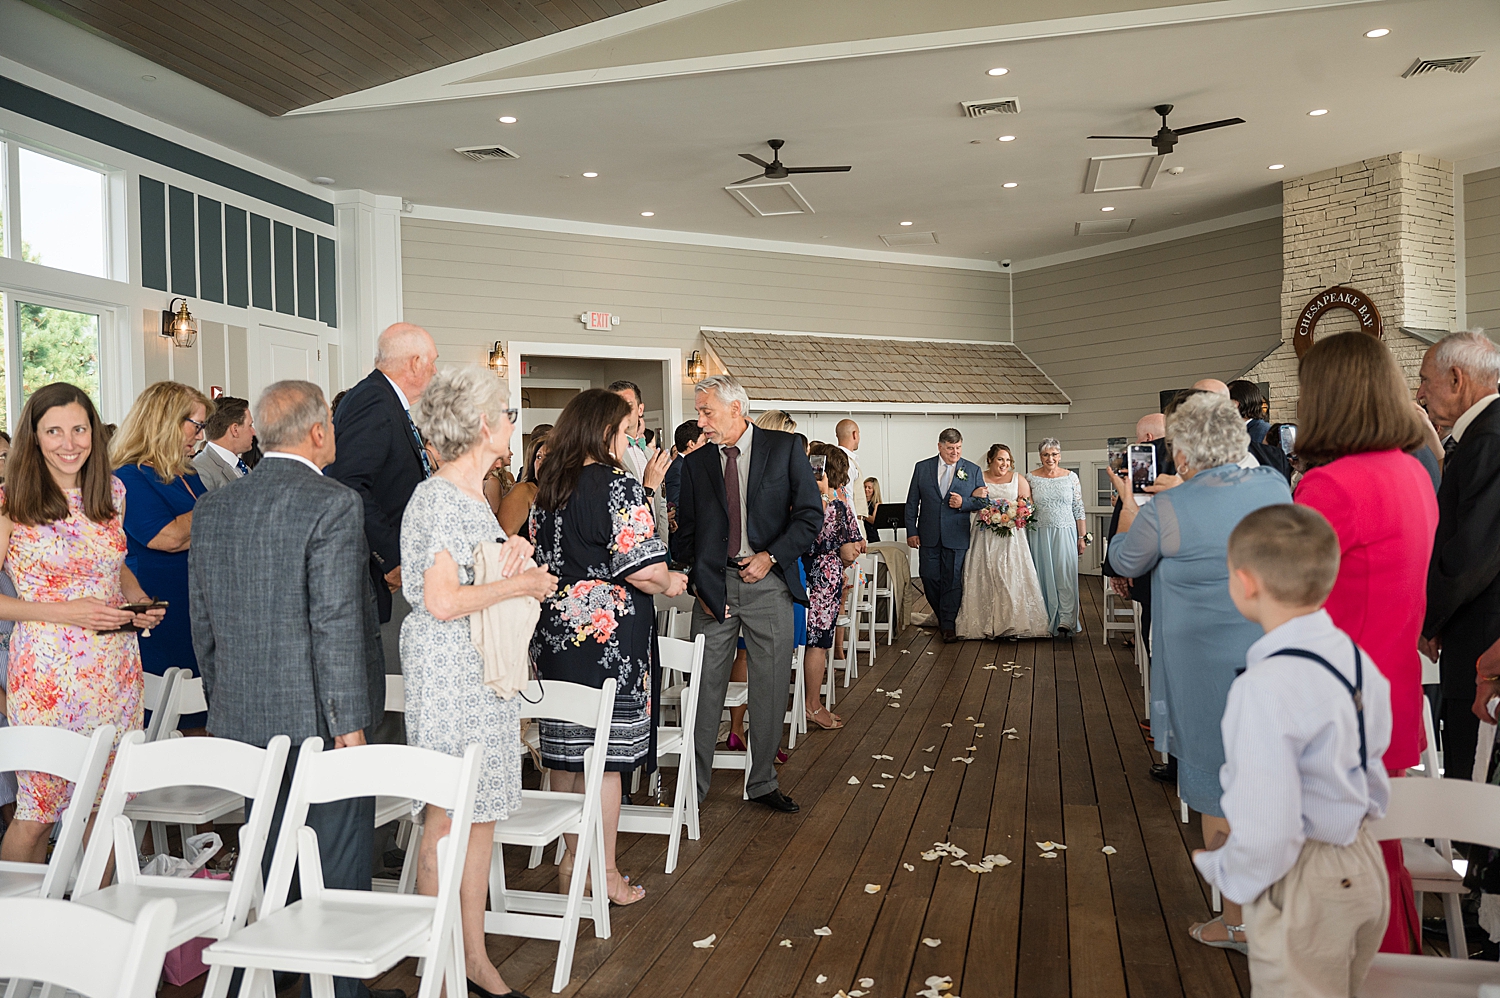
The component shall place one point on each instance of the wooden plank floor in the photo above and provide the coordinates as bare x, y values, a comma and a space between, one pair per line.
1075, 772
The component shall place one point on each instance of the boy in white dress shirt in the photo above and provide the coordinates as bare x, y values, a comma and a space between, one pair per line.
1305, 728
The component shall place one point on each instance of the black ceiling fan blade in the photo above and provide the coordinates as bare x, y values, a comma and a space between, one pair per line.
754, 176
1207, 125
819, 169
756, 160
1142, 138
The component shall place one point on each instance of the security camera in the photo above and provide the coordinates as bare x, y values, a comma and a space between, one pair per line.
1005, 264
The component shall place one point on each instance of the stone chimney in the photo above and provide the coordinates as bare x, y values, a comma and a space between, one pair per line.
1383, 226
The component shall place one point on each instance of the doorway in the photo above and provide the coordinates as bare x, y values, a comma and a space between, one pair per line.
284, 354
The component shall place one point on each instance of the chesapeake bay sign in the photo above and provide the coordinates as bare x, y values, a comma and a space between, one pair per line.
1325, 301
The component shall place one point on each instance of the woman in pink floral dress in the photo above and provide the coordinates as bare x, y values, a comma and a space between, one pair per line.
592, 527
64, 545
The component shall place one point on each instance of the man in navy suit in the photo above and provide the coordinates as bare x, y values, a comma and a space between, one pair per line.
938, 505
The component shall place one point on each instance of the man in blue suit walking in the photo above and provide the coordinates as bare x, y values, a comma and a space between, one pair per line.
938, 505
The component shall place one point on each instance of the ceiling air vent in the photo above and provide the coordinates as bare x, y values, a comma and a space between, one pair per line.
910, 238
766, 199
1103, 226
481, 154
984, 108
1452, 63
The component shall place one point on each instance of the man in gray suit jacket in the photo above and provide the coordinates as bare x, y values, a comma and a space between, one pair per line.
229, 432
284, 619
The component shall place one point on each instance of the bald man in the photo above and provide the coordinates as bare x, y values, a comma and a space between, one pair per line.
1212, 385
847, 434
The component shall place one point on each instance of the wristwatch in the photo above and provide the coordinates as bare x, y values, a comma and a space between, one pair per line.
771, 556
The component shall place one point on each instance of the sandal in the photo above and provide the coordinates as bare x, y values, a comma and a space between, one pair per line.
1240, 945
816, 716
633, 893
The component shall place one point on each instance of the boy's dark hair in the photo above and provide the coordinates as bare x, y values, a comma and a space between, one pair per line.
686, 433
1292, 549
1247, 396
228, 411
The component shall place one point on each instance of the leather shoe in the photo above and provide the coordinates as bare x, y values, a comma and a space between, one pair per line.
1165, 772
777, 801
949, 637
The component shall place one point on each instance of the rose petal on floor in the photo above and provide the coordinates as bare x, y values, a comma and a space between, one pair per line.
931, 943
824, 931
1109, 850
867, 982
787, 943
706, 943
872, 888
853, 781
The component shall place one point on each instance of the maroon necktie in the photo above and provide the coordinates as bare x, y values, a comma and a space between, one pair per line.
732, 498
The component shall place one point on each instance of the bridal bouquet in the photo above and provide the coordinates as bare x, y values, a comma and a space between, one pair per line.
1002, 516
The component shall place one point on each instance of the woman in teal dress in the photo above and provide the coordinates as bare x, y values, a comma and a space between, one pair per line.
1056, 537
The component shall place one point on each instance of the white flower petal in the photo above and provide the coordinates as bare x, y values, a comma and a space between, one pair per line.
824, 931
878, 786
1013, 738
853, 781
930, 748
931, 855
787, 943
822, 978
908, 867
1109, 850
907, 776
931, 943
867, 982
928, 769
706, 943
872, 888
978, 724
887, 776
947, 724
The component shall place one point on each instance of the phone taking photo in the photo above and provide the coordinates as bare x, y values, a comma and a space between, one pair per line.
1142, 459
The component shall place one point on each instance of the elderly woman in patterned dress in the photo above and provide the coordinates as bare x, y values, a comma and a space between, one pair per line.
592, 526
462, 415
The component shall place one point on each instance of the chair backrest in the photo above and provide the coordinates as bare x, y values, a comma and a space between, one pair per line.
1457, 810
685, 657
572, 702
158, 699
84, 949
677, 623
77, 758
395, 693
186, 698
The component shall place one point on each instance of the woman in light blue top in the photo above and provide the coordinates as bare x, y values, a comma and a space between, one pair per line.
1056, 537
1198, 638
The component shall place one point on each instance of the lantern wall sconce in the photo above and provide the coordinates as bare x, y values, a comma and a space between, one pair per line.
180, 325
497, 360
696, 369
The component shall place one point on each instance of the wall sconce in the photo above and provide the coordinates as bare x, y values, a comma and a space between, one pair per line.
497, 360
696, 369
180, 325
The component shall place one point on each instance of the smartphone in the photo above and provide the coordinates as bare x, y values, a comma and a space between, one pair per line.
1289, 439
1142, 466
143, 607
818, 462
1116, 447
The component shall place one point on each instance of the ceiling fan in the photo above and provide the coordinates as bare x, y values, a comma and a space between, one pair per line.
776, 170
1165, 139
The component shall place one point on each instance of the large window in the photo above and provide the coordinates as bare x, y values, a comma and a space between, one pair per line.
45, 343
55, 212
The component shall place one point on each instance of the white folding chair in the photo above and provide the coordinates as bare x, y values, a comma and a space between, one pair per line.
1431, 866
796, 716
882, 587
1117, 617
77, 758
673, 622
686, 657
211, 908
343, 933
388, 809
544, 816
85, 951
184, 806
850, 623
862, 603
159, 691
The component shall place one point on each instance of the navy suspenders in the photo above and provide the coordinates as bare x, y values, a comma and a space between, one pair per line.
1355, 688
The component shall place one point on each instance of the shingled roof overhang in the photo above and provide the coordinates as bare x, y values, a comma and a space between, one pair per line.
814, 372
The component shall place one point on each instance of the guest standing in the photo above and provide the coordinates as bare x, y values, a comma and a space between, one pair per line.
1252, 405
646, 463
1057, 537
284, 621
153, 455
688, 438
872, 503
592, 528
1198, 639
63, 543
938, 504
1356, 425
462, 414
515, 508
1002, 597
847, 435
749, 508
1458, 380
230, 432
835, 548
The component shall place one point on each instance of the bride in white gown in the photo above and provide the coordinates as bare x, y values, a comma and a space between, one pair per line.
1002, 597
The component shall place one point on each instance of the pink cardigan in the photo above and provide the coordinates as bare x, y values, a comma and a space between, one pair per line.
1383, 508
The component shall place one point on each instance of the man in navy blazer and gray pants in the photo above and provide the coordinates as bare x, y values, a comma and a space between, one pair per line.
938, 505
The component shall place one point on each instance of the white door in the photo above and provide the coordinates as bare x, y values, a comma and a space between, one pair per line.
284, 354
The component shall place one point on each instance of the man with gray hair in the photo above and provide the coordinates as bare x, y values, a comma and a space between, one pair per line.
1458, 387
938, 505
284, 620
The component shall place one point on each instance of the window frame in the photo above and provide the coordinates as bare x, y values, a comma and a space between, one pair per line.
114, 205
111, 317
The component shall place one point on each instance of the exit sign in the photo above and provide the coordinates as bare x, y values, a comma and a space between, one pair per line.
599, 320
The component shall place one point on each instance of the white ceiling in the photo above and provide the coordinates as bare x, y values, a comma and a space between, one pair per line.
668, 143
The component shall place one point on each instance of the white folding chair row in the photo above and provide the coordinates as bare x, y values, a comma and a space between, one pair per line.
849, 622
1431, 866
360, 934
796, 716
79, 759
673, 622
674, 743
1117, 617
882, 589
85, 951
201, 907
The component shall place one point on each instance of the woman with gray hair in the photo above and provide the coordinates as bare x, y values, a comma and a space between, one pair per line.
1198, 638
1057, 537
462, 415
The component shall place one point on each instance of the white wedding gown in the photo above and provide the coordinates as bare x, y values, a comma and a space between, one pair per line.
1002, 597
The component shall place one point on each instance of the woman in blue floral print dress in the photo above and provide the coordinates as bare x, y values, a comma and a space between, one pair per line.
592, 527
835, 548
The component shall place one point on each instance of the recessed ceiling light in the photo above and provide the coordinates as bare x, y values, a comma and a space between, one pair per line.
1009, 183
591, 174
507, 119
998, 71
1318, 112
1276, 166
323, 181
1007, 138
1107, 209
1377, 32
149, 79
647, 214
905, 223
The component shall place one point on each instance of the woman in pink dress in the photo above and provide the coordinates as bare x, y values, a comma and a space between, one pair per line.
1357, 427
63, 543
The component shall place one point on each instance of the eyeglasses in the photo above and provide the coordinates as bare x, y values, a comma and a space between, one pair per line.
201, 426
512, 414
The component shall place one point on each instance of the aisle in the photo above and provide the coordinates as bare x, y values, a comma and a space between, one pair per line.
1084, 923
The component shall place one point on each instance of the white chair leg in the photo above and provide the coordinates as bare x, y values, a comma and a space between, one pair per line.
159, 838
1458, 946
1218, 902
408, 883
497, 878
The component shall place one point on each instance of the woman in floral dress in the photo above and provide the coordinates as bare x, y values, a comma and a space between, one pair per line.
60, 530
835, 547
592, 527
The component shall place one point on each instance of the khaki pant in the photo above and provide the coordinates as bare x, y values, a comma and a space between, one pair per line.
1314, 933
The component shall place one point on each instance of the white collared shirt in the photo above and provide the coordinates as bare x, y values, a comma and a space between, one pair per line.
742, 465
1471, 414
292, 457
847, 492
228, 457
946, 474
1291, 749
405, 404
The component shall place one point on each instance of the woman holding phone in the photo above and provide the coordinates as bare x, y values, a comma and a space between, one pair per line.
63, 542
834, 549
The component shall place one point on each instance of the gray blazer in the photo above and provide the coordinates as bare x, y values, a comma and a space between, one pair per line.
213, 470
284, 619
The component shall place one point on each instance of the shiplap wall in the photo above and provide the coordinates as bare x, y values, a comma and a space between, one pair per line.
473, 284
1114, 330
1482, 249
